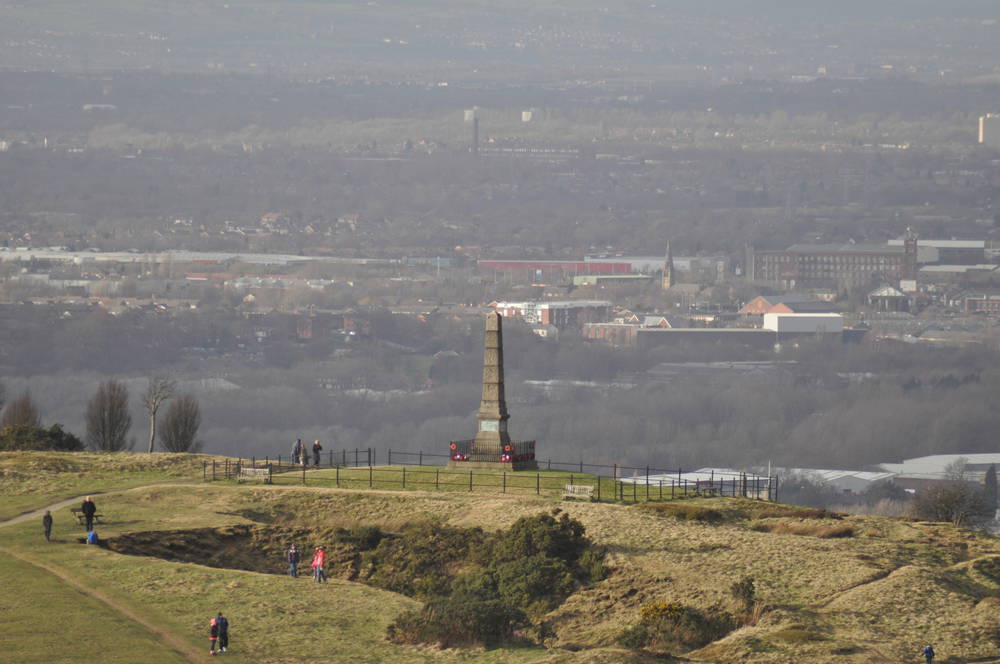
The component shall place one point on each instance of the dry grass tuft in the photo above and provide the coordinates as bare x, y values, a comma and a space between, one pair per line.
685, 512
782, 527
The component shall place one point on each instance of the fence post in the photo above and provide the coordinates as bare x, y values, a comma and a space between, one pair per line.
370, 476
420, 458
437, 478
661, 489
355, 456
571, 478
303, 474
634, 499
331, 458
371, 457
389, 463
647, 484
550, 464
204, 471
673, 487
598, 488
504, 477
615, 475
337, 475
470, 480
404, 477
213, 470
538, 484
253, 462
581, 466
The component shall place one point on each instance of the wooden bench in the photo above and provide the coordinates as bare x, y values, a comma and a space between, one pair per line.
578, 491
81, 517
263, 474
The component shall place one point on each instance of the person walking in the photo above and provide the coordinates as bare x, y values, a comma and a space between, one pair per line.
928, 653
213, 635
89, 510
292, 556
318, 563
317, 448
47, 525
223, 624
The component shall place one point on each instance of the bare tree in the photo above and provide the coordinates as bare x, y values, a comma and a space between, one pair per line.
158, 391
21, 411
108, 418
179, 429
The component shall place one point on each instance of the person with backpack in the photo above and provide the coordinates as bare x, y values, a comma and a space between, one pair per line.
928, 653
47, 525
292, 556
317, 448
223, 624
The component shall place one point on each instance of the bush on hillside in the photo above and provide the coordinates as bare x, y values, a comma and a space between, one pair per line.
21, 437
535, 585
363, 538
958, 502
674, 627
460, 621
553, 535
420, 561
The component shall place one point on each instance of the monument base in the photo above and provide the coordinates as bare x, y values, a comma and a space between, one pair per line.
510, 466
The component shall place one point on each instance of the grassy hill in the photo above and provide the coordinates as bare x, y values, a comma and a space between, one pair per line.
852, 589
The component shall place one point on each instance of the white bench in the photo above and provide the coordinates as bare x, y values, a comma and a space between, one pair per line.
255, 474
578, 491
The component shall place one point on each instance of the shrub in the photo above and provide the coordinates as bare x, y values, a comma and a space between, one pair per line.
363, 538
534, 585
26, 437
744, 592
553, 535
958, 502
672, 626
419, 561
456, 622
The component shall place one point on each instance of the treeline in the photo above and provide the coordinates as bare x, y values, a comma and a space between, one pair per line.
841, 407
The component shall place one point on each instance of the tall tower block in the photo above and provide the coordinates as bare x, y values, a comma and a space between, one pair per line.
492, 417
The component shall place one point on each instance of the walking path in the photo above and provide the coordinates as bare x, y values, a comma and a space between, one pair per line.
168, 639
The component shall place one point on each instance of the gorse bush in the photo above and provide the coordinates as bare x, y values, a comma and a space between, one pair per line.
458, 621
480, 587
363, 538
675, 627
18, 437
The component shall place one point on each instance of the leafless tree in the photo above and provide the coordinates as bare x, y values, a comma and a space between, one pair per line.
158, 391
179, 430
108, 417
21, 411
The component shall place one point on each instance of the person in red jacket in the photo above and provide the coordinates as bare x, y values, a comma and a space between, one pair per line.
318, 563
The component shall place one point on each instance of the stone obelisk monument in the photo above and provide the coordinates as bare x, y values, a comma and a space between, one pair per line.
492, 436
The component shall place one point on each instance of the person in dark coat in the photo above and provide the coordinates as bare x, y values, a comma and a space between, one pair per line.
928, 653
292, 556
223, 625
89, 510
297, 451
317, 448
47, 525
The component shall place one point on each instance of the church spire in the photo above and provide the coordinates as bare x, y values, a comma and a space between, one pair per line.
668, 269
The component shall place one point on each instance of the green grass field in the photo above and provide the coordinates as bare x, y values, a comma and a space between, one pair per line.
859, 598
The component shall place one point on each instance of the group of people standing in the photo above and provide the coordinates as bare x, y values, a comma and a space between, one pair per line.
293, 556
218, 634
300, 455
